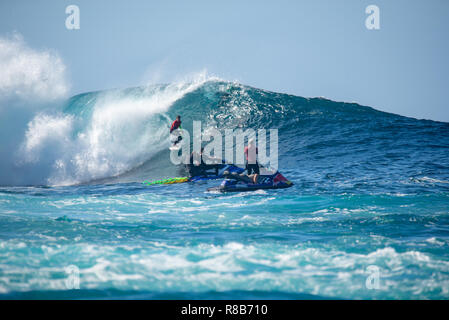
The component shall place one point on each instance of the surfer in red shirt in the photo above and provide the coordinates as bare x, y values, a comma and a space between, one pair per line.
176, 125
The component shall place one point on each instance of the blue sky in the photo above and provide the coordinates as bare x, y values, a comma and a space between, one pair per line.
307, 48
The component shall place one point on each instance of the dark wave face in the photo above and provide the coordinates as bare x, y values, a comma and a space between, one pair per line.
330, 146
371, 192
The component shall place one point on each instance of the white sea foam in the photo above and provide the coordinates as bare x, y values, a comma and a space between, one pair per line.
430, 180
159, 266
122, 133
29, 73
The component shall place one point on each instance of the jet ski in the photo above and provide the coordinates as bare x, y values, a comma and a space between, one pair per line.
239, 183
209, 173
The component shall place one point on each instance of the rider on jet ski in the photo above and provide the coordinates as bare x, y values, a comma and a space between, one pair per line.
199, 168
252, 166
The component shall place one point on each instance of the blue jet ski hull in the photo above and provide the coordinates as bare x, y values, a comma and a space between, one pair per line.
275, 181
210, 174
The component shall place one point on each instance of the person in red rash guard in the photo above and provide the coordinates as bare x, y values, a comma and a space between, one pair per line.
176, 125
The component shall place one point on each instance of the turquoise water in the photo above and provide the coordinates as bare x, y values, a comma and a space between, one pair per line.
370, 189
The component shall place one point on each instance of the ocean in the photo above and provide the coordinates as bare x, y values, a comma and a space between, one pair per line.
366, 218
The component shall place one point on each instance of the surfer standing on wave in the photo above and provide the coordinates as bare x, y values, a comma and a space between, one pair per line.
176, 125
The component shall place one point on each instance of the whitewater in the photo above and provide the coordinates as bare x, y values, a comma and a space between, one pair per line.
371, 192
